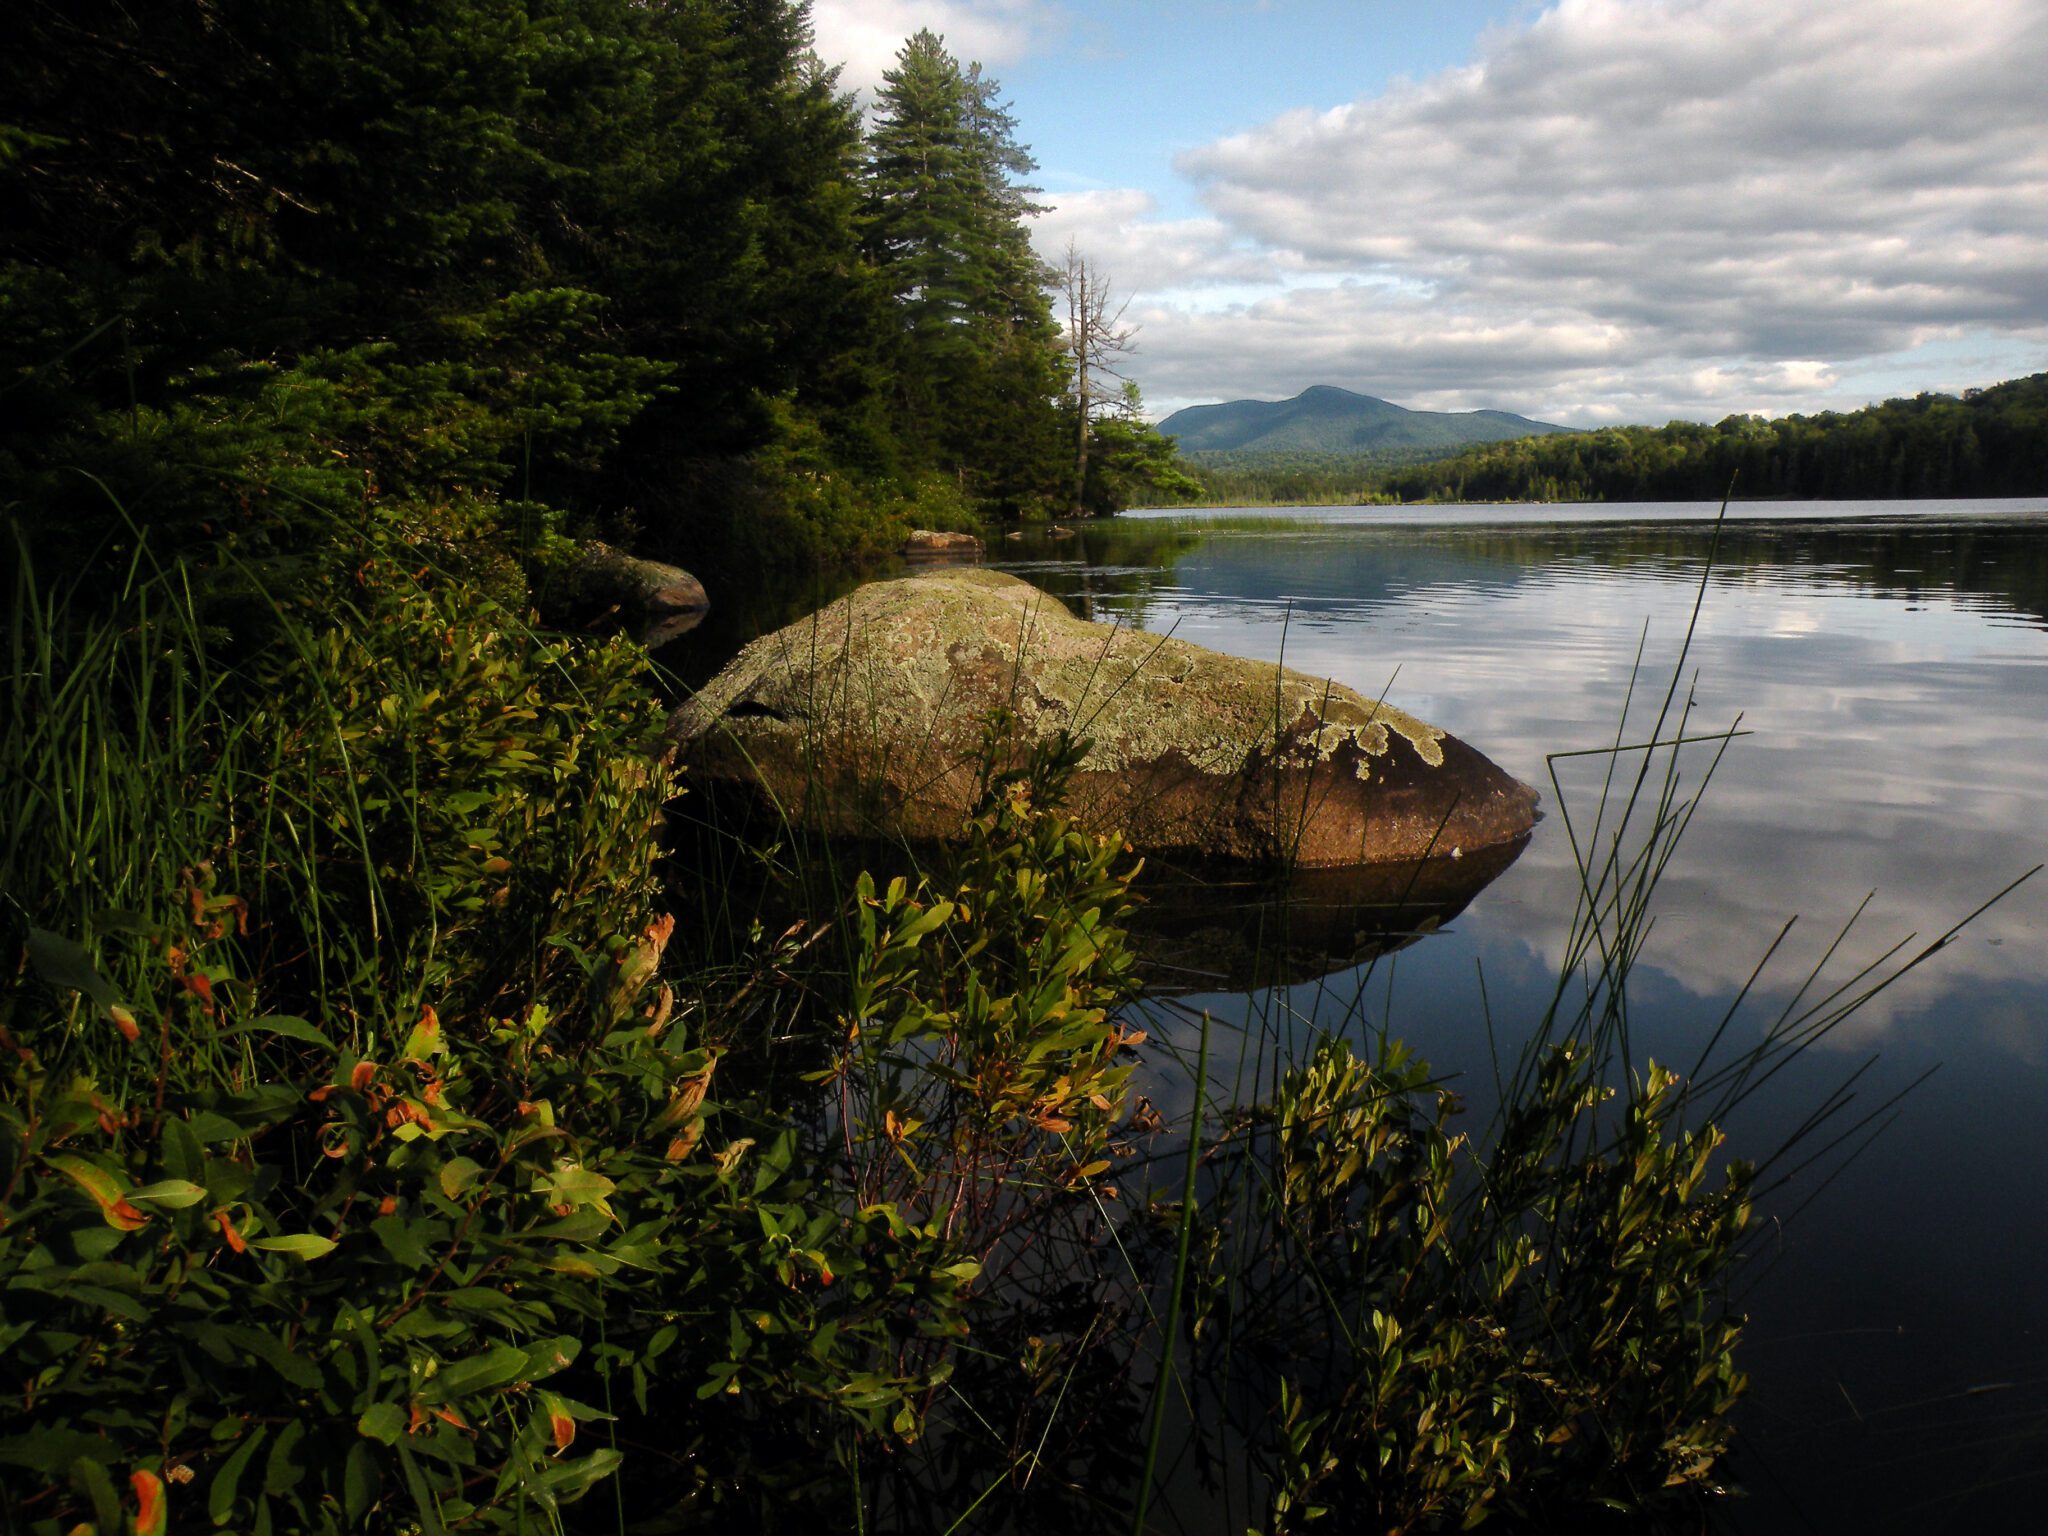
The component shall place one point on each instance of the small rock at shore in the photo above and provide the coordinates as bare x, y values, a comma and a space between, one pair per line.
655, 601
928, 544
868, 716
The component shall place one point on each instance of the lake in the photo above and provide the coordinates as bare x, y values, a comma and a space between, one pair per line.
1889, 662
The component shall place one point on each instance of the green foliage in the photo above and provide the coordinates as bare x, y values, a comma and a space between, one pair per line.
1130, 462
1988, 443
360, 1165
1531, 1326
1294, 479
976, 368
979, 1054
459, 250
608, 268
370, 1157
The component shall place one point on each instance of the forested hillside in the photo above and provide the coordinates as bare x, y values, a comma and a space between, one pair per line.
1990, 442
1324, 419
503, 272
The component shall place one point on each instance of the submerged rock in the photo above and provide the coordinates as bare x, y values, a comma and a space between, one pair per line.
869, 716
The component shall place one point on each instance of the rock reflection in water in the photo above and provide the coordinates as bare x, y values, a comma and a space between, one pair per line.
1226, 930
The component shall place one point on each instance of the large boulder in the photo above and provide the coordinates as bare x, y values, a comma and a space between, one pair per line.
869, 716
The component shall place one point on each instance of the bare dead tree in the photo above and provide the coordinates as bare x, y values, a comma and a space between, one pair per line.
1097, 340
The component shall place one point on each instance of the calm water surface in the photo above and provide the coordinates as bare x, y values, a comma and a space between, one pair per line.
1891, 664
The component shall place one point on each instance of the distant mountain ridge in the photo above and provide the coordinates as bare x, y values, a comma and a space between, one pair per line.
1324, 419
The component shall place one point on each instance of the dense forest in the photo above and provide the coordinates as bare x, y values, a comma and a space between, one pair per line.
1267, 478
635, 271
1988, 442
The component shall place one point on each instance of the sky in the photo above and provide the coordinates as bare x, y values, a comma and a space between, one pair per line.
1586, 211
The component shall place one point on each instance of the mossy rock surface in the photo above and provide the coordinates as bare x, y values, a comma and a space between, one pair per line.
868, 716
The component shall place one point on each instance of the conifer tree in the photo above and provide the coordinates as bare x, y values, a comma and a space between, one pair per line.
978, 368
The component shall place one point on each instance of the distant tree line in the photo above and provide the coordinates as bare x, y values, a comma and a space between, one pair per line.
1989, 442
507, 271
1266, 477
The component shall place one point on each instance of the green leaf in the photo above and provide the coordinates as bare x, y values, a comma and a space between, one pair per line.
476, 1298
550, 1356
575, 1185
232, 1343
175, 1194
281, 1474
569, 1479
426, 1038
208, 1128
281, 1024
52, 1451
459, 1174
383, 1421
425, 1507
220, 1498
104, 1189
182, 1153
359, 1483
580, 1227
299, 1245
63, 963
487, 1372
403, 1240
90, 1478
117, 1302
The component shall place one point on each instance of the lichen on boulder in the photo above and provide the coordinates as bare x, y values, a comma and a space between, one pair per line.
870, 716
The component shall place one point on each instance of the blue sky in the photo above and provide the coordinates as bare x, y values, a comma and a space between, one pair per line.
1584, 210
1142, 82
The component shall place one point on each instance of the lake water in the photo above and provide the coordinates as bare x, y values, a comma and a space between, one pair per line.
1890, 664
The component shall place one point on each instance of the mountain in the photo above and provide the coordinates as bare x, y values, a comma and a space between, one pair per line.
1326, 419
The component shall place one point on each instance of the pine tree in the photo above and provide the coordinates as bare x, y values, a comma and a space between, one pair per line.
978, 368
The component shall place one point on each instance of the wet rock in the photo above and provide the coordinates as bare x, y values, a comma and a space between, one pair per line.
655, 601
868, 716
927, 544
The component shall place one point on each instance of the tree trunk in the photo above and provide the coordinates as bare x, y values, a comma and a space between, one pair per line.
1078, 328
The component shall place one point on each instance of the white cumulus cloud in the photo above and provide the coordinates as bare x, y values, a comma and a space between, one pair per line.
864, 36
1626, 209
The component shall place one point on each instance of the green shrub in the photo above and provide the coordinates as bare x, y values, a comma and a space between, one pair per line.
354, 1152
1536, 1325
359, 1166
